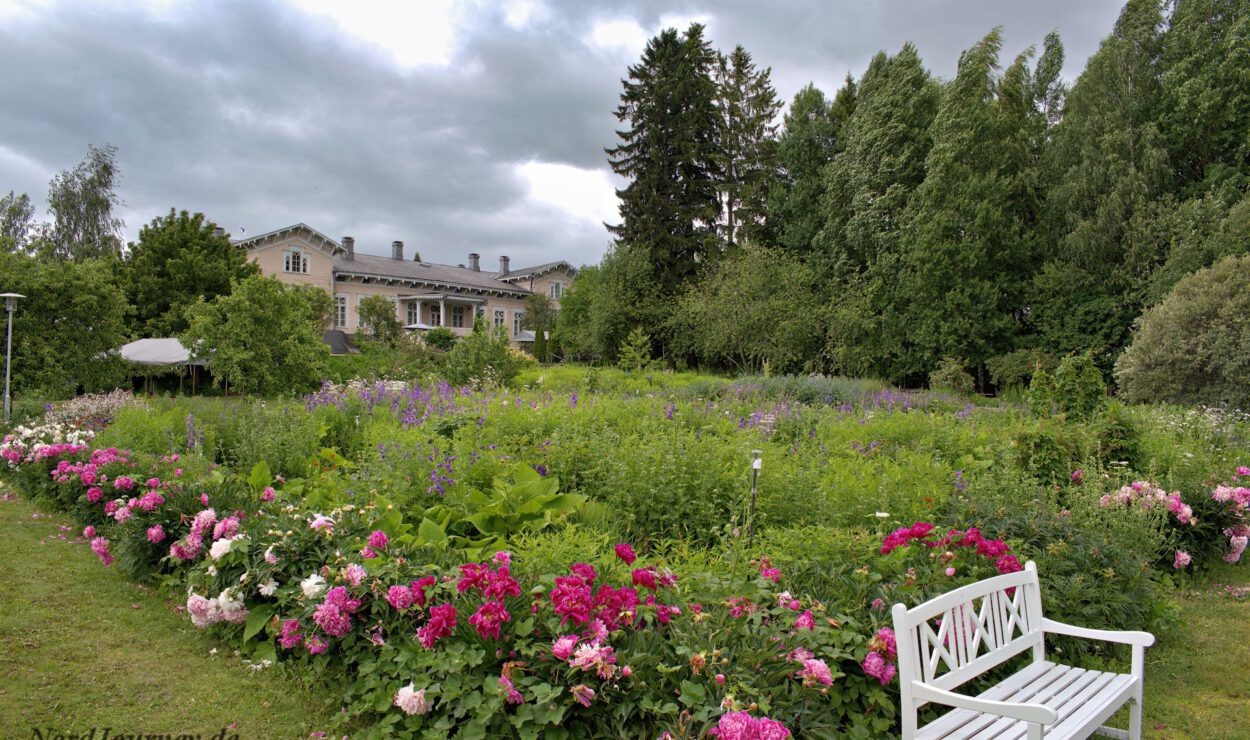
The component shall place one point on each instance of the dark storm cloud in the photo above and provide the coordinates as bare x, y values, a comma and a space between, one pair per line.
262, 116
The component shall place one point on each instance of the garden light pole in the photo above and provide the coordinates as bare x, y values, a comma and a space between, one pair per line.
10, 305
756, 463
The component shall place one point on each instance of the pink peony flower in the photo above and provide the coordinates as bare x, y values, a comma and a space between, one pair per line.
400, 597
884, 642
88, 532
290, 637
742, 726
1077, 475
815, 672
876, 666
315, 645
563, 647
100, 546
645, 577
378, 539
583, 694
805, 621
514, 696
123, 483
156, 534
354, 574
720, 679
625, 552
950, 572
94, 494
1181, 560
367, 553
502, 558
268, 494
1243, 471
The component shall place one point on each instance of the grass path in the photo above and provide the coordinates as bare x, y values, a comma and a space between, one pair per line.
1198, 680
82, 648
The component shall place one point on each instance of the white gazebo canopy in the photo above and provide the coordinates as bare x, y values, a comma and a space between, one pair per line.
162, 351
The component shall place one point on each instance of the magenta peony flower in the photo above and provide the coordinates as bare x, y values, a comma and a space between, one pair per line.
502, 557
514, 696
315, 645
378, 539
268, 494
1077, 475
94, 494
156, 534
805, 621
742, 726
625, 552
123, 483
876, 666
88, 532
290, 637
1181, 560
442, 622
367, 553
489, 618
644, 577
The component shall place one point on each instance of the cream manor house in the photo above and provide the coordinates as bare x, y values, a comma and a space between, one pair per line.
426, 295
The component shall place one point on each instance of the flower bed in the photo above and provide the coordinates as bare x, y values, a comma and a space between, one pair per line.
490, 602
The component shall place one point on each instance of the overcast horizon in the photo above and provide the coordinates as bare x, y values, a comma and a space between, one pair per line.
455, 127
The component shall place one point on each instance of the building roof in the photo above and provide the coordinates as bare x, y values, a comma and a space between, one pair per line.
538, 270
325, 242
424, 273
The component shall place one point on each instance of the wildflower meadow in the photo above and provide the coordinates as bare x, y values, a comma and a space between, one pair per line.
587, 557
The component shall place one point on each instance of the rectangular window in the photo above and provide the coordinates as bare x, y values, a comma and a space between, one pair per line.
435, 315
557, 290
414, 313
499, 317
516, 322
340, 311
457, 317
360, 325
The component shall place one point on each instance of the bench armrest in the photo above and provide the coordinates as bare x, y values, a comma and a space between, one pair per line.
1024, 712
1142, 639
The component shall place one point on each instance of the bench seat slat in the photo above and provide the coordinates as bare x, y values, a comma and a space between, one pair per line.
1082, 699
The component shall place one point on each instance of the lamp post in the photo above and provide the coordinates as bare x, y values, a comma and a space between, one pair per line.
10, 305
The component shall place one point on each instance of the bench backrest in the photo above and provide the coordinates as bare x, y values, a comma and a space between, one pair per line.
957, 636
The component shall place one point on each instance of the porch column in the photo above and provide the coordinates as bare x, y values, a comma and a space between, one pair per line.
442, 311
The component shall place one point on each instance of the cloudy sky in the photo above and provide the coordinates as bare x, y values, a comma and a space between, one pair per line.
455, 126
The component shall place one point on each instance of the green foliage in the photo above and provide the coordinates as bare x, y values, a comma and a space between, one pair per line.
951, 376
540, 317
1191, 347
1015, 369
259, 339
748, 107
807, 143
440, 338
409, 358
670, 153
178, 259
81, 202
1079, 387
378, 313
755, 308
66, 328
635, 352
483, 357
17, 223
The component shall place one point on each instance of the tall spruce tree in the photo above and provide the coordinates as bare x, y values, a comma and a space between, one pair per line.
1108, 162
670, 154
748, 105
805, 148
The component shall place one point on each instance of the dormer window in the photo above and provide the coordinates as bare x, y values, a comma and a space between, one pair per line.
295, 260
557, 290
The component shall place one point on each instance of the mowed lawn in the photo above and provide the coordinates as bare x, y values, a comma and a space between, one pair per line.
82, 648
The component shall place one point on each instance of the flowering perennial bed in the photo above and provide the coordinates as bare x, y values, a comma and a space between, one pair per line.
426, 627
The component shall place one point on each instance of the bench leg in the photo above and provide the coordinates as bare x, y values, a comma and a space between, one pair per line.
1134, 720
1035, 731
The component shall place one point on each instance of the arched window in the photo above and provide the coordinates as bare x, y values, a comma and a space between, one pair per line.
295, 260
557, 290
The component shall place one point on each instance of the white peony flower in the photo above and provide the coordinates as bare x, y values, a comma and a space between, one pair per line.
219, 548
312, 586
411, 701
268, 587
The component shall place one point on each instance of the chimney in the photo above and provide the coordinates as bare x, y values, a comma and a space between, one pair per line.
349, 243
503, 265
218, 231
473, 262
397, 250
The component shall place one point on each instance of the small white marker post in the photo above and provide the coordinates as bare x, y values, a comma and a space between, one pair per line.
756, 464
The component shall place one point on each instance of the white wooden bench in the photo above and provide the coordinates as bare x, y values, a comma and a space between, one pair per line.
951, 639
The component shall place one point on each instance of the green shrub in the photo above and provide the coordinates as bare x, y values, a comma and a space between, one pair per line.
951, 376
440, 337
1016, 369
1079, 387
1191, 348
483, 357
1050, 452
